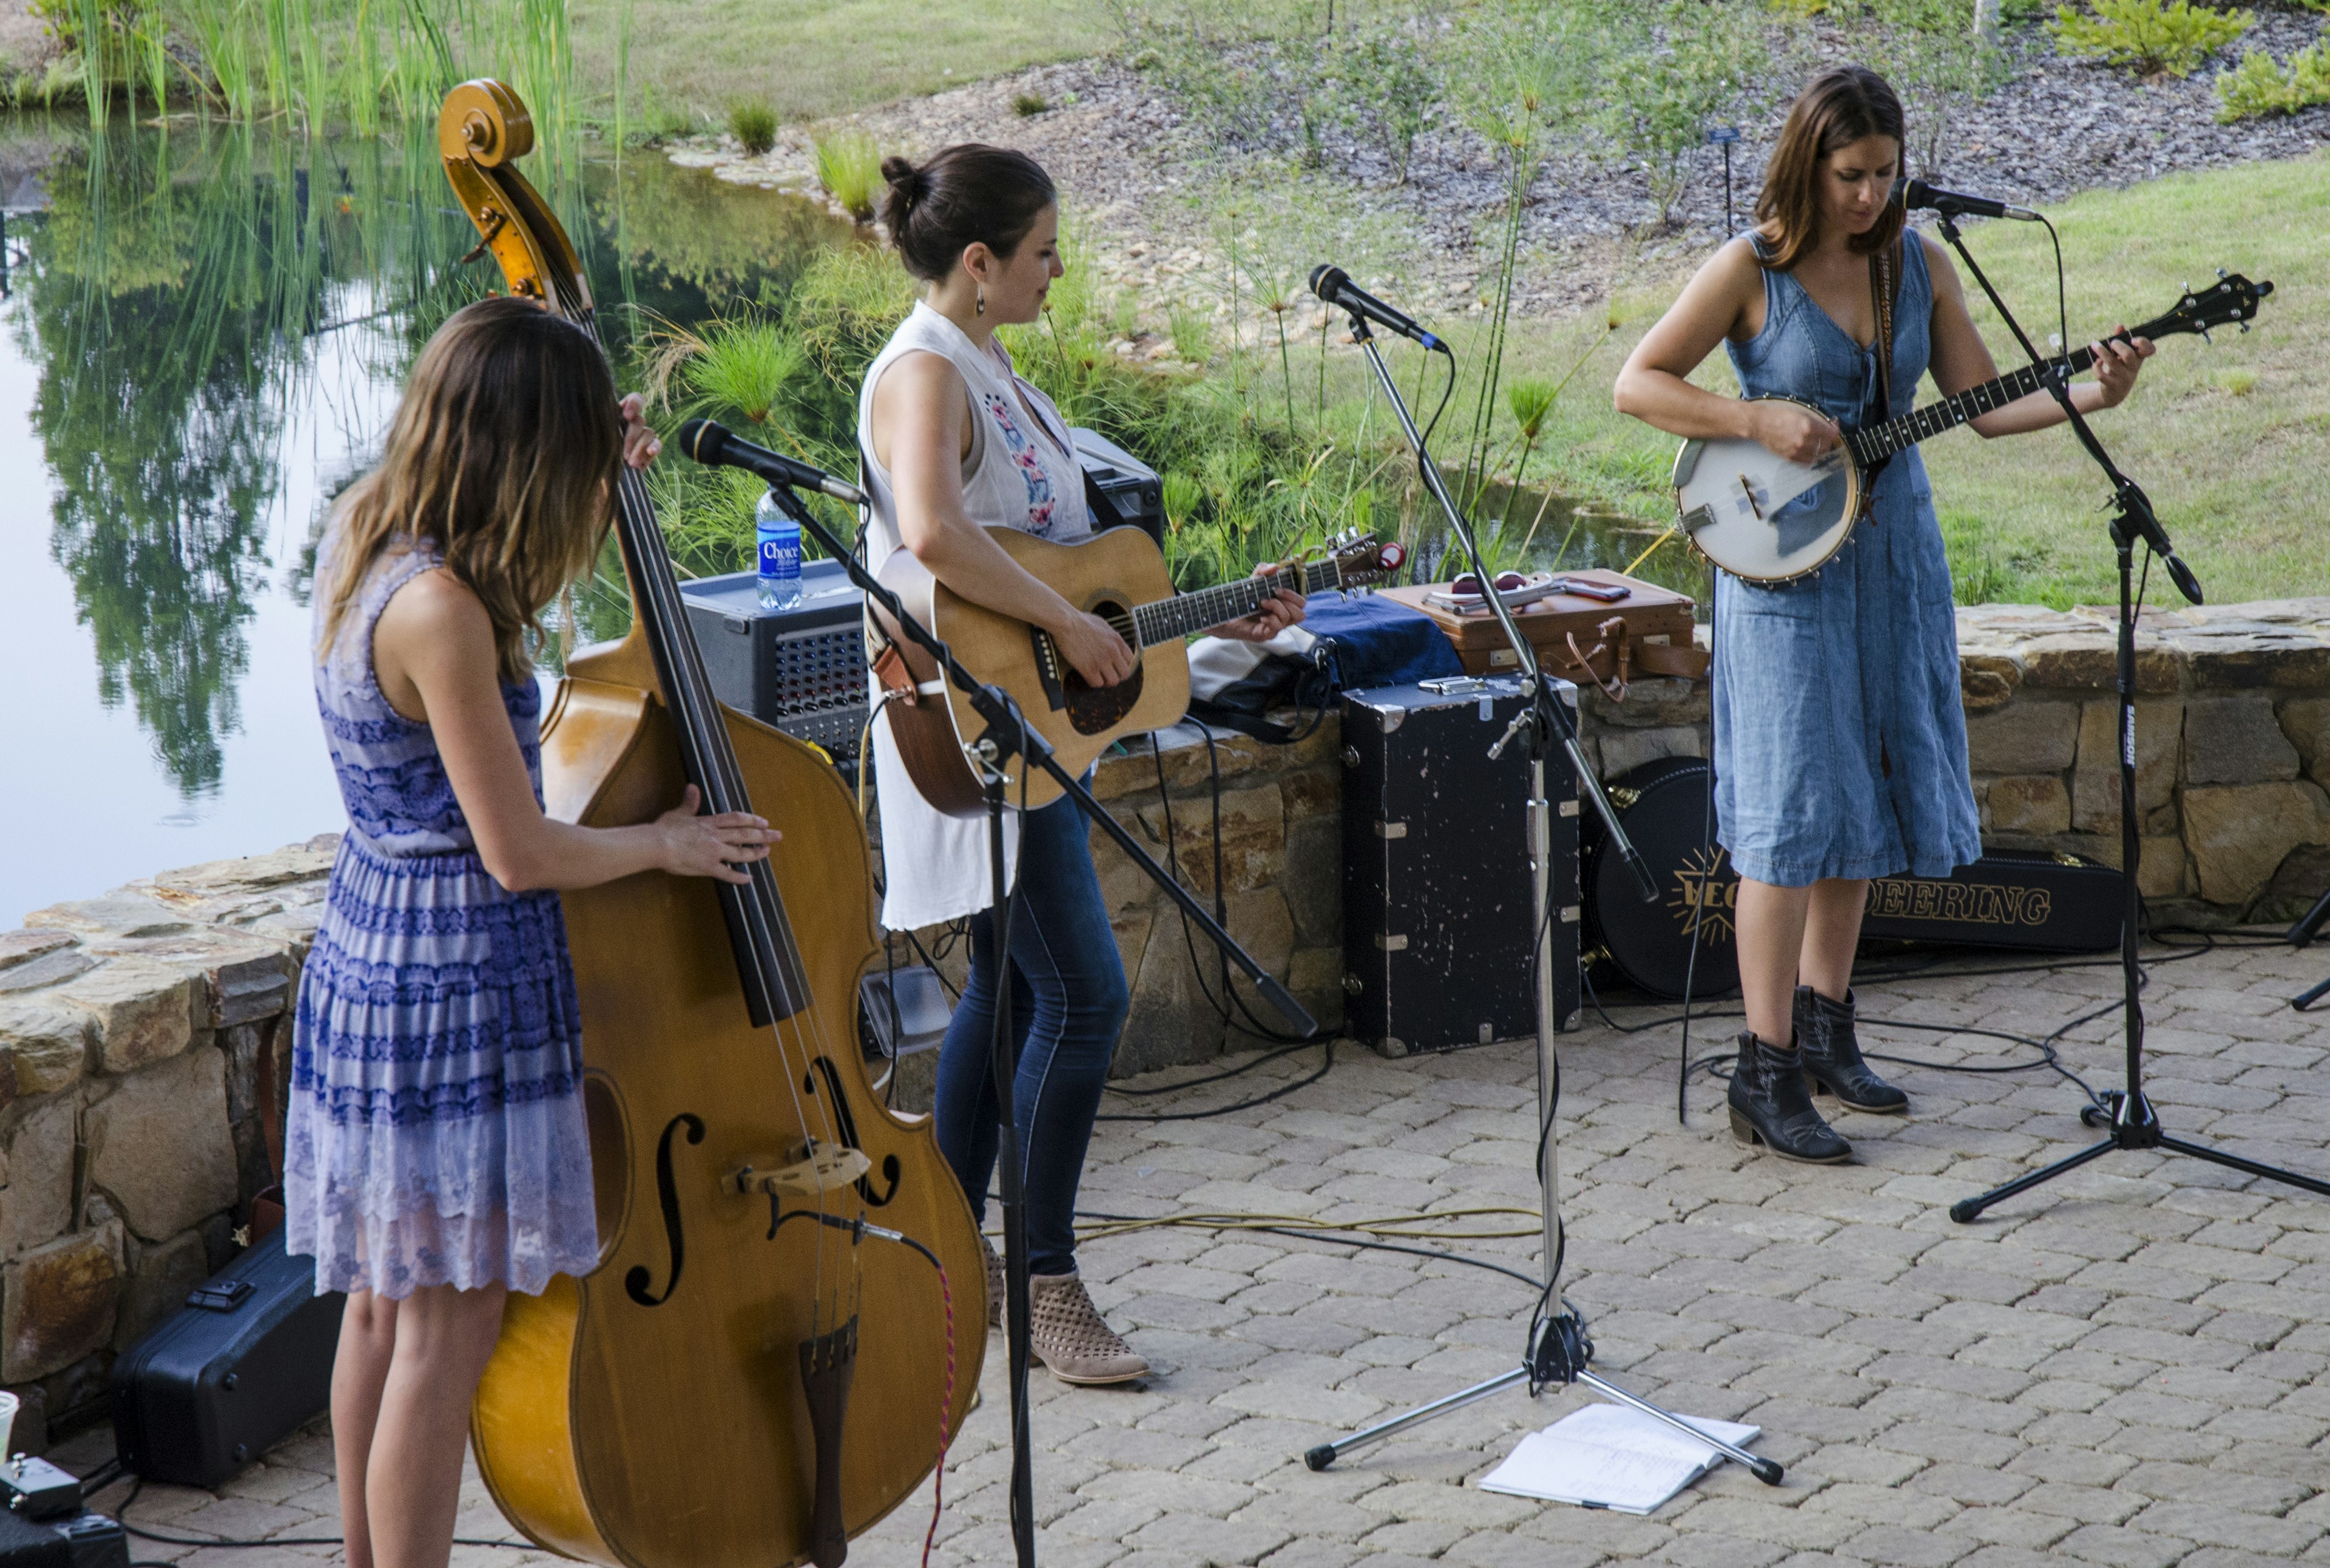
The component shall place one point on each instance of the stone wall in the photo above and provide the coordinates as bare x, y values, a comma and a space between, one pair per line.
2232, 740
132, 1029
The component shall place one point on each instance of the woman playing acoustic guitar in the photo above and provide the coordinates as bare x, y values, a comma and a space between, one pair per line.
955, 443
1839, 739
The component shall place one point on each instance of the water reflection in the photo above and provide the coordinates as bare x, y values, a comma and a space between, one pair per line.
191, 298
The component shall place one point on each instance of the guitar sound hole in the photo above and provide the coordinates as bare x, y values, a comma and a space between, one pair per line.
1094, 708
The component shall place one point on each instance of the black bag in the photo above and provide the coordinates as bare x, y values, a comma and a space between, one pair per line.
242, 1364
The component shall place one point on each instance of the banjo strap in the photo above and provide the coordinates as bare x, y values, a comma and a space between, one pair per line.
1884, 281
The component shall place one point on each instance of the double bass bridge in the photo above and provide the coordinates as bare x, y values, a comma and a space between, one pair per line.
826, 1168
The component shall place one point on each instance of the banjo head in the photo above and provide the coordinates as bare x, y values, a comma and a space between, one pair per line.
1760, 517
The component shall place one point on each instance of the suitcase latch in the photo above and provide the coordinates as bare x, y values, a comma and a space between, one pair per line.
220, 1296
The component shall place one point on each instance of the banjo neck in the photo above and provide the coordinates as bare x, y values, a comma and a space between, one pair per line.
1874, 443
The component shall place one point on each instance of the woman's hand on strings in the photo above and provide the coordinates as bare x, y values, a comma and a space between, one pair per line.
1790, 429
712, 846
1094, 649
639, 443
2116, 363
1276, 613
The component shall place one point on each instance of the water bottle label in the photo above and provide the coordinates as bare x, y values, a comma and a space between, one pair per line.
780, 557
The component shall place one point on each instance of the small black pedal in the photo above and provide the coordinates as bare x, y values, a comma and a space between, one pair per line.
36, 1489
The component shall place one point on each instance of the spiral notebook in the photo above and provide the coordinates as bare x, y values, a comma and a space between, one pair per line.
1611, 1456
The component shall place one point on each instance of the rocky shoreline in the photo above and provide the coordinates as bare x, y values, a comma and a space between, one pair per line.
1145, 184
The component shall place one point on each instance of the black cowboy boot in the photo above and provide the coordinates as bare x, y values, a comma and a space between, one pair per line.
1831, 1056
1770, 1105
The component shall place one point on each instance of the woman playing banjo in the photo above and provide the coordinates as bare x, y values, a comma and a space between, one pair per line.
1840, 737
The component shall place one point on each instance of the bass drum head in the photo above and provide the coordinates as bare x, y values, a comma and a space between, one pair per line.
1664, 807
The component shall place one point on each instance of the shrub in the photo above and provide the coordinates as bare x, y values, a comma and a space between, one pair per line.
850, 166
2150, 36
1027, 105
2257, 86
755, 126
1672, 83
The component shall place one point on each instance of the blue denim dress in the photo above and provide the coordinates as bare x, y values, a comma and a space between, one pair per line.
1840, 735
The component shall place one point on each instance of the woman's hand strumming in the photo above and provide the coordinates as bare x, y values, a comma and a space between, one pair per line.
720, 846
1790, 429
1093, 649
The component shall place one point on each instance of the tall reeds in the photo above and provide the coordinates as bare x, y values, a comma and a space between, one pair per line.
324, 64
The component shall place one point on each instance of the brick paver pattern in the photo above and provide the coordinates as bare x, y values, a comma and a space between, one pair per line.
2119, 1369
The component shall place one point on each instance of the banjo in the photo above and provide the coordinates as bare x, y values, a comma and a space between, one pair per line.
1768, 520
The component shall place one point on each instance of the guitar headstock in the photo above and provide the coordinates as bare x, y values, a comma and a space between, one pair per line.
1358, 559
2233, 299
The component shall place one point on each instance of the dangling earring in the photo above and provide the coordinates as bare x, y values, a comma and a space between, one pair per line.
982, 305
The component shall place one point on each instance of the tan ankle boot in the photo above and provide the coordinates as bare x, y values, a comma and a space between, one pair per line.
994, 1284
1070, 1338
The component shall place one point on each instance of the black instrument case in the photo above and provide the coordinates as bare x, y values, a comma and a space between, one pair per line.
246, 1362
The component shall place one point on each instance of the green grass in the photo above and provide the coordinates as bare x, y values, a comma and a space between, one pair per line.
813, 58
2231, 440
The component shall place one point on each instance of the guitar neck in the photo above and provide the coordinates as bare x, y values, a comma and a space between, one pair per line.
1878, 442
1179, 616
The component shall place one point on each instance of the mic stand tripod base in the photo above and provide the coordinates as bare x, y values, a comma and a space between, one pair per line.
1559, 1356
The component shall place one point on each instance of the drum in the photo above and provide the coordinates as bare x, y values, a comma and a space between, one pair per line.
1667, 810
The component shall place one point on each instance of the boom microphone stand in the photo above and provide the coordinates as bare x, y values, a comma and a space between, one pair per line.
1007, 733
2127, 1113
1557, 1350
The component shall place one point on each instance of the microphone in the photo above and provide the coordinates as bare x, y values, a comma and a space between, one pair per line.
1919, 195
1334, 285
718, 446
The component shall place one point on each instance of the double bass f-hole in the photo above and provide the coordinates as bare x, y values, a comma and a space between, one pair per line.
635, 1283
846, 1125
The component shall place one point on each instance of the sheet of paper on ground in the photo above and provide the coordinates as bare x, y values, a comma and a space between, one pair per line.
1610, 1456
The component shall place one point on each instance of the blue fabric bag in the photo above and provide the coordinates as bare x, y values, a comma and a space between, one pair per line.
1345, 643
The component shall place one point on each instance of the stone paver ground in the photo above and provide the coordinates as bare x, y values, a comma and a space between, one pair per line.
2121, 1369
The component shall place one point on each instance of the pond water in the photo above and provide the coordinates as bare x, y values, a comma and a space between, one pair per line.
202, 330
202, 333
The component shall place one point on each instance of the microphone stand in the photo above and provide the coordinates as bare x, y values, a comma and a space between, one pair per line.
2125, 1112
1556, 1351
1009, 733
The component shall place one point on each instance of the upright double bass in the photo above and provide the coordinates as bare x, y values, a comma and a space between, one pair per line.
763, 1364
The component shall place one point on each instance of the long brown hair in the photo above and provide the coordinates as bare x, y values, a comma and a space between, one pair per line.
1841, 107
501, 455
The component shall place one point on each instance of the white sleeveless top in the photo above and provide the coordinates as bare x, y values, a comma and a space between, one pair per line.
1022, 473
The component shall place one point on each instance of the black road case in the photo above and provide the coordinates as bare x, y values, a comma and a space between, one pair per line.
1437, 910
235, 1370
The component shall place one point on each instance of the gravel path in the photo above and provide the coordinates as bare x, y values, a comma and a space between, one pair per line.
1149, 188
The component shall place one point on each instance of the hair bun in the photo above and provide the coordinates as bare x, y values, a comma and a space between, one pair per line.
902, 176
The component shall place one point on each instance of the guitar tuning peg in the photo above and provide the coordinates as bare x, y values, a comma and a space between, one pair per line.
2223, 273
2188, 285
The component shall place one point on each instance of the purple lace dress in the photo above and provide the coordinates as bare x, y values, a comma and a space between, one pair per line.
436, 1132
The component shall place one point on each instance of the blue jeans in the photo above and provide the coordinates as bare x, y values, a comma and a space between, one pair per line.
1068, 1000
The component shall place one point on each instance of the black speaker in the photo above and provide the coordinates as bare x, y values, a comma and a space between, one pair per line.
801, 670
1437, 921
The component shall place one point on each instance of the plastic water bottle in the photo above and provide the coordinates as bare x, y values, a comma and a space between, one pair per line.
778, 537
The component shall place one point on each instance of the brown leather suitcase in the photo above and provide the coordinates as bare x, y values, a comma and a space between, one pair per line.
1648, 633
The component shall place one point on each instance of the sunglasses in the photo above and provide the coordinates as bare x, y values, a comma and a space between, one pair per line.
1470, 582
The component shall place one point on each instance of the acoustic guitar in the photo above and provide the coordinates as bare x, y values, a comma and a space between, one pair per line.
1118, 575
1770, 520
